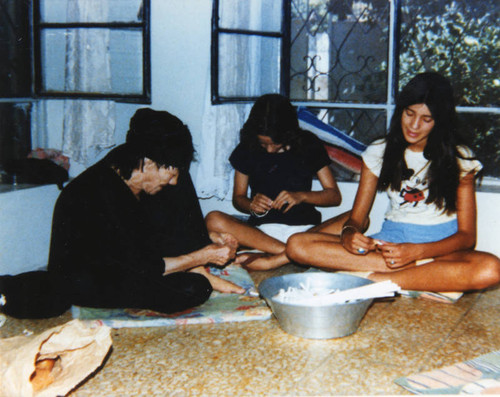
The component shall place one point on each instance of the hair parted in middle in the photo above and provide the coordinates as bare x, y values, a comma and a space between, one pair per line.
274, 116
436, 92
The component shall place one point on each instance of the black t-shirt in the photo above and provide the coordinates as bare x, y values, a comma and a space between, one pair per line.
271, 173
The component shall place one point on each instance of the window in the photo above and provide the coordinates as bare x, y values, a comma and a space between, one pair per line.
259, 35
80, 49
15, 79
92, 49
346, 59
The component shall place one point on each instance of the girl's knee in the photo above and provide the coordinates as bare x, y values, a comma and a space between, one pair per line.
488, 271
214, 220
493, 270
296, 246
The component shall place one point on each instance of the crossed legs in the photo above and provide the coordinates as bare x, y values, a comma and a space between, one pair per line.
249, 236
252, 237
459, 271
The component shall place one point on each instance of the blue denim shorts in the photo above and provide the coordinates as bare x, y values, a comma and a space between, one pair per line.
398, 232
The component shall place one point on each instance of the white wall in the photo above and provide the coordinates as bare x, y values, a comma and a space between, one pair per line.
25, 222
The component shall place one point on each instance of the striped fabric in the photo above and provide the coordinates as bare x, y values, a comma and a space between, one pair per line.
342, 149
327, 133
477, 376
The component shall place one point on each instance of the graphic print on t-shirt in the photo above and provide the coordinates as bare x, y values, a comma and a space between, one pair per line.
413, 190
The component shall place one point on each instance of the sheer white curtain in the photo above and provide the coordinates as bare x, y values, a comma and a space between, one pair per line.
243, 69
88, 125
221, 123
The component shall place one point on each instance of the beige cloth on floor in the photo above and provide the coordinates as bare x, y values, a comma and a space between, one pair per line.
79, 348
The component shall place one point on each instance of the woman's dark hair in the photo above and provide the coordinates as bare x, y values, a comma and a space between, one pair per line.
272, 115
157, 135
435, 91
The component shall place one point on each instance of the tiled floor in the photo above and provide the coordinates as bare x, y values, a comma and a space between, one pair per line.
396, 338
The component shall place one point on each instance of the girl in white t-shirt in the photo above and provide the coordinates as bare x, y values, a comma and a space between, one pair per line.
429, 233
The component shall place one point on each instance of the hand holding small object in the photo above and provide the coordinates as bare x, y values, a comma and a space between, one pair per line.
287, 200
355, 241
260, 205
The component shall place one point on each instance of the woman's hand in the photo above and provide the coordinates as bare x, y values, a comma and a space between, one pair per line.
218, 254
398, 255
356, 242
260, 204
223, 238
286, 200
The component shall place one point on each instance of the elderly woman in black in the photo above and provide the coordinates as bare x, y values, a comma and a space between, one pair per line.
109, 250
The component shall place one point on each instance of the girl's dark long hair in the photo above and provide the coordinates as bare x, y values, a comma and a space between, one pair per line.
433, 90
273, 115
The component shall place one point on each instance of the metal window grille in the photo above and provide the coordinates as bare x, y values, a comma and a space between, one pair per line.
346, 60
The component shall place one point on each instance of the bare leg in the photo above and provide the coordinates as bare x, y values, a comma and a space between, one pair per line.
246, 235
219, 284
335, 224
252, 237
325, 251
267, 262
459, 271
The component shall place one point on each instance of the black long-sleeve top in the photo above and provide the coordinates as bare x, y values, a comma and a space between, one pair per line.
100, 228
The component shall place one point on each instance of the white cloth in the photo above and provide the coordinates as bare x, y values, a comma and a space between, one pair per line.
282, 232
220, 135
408, 204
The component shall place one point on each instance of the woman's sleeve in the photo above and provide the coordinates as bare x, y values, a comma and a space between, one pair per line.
317, 155
373, 156
468, 162
240, 159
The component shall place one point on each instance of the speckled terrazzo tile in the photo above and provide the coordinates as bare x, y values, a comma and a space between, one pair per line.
402, 311
348, 373
478, 333
260, 364
395, 338
489, 298
403, 344
14, 327
175, 361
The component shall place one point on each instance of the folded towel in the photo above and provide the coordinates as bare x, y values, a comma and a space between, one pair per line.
443, 297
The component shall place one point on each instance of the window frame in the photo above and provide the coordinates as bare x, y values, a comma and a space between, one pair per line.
144, 26
392, 68
283, 35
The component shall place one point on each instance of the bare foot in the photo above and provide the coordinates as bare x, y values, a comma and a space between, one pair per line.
224, 239
219, 284
261, 261
247, 258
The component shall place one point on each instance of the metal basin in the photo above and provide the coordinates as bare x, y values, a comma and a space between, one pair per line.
316, 322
